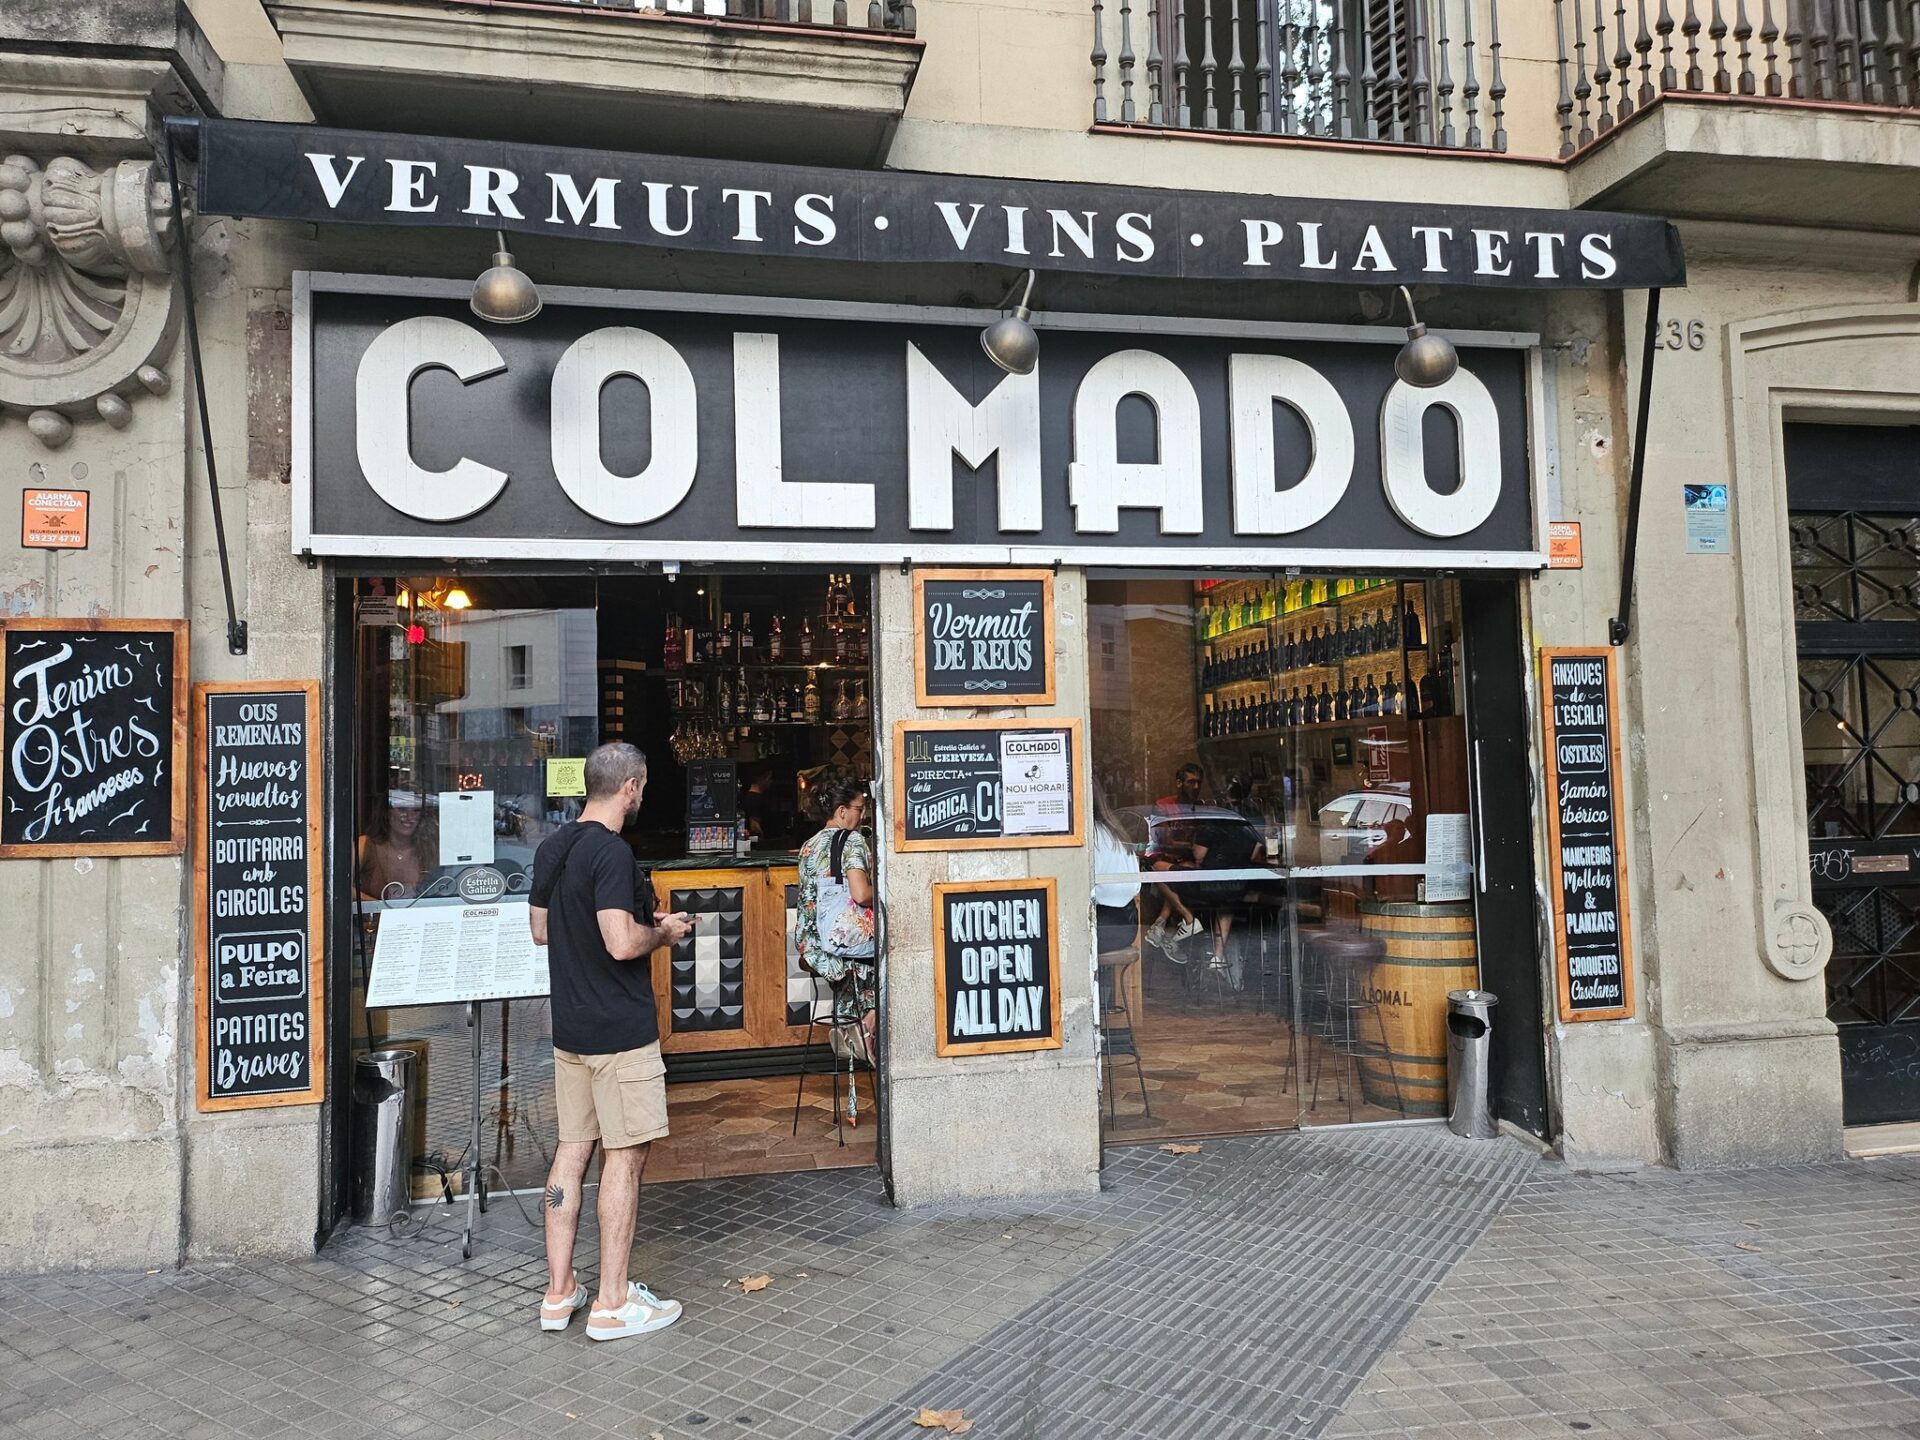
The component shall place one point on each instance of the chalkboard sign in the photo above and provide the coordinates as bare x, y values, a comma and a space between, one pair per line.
997, 966
983, 637
979, 784
256, 894
1585, 835
93, 732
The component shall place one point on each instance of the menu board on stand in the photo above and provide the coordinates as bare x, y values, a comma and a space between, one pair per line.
1592, 942
93, 728
256, 873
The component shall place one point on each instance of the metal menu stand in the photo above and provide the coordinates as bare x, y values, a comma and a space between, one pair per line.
475, 1171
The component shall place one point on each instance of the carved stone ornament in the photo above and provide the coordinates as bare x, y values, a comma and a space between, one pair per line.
1799, 942
86, 292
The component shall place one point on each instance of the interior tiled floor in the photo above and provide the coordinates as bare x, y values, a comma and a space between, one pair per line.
745, 1127
1214, 1061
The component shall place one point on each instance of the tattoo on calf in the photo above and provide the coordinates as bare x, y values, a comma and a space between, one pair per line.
556, 1197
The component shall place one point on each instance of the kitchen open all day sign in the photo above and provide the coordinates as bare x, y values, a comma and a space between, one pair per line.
997, 970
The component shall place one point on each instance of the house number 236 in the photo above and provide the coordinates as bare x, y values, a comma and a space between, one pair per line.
1682, 335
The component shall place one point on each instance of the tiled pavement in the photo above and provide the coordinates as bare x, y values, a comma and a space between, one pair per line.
1353, 1283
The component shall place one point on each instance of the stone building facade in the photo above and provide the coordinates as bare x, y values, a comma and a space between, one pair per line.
1793, 198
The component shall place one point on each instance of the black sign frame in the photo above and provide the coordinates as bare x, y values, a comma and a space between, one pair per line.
258, 866
1584, 809
909, 837
947, 964
155, 720
319, 175
998, 592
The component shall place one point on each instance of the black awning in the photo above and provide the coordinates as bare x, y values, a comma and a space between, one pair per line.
304, 172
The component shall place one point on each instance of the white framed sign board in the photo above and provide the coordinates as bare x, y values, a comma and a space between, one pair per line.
455, 954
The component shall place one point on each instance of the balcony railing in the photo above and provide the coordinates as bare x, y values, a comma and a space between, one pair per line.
1861, 52
1394, 72
892, 16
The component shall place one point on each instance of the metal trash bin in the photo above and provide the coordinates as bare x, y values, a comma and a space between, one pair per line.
1469, 1046
380, 1142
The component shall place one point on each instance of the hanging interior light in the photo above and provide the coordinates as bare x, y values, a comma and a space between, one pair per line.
1425, 360
457, 598
1010, 342
503, 294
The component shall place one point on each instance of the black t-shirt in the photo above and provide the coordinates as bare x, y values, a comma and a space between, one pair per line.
601, 1005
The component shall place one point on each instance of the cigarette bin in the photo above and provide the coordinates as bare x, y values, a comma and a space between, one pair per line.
1469, 1045
380, 1142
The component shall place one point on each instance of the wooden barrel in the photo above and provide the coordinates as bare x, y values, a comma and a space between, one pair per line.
1430, 950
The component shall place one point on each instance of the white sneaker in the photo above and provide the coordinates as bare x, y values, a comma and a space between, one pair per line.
1157, 934
555, 1317
1187, 930
643, 1313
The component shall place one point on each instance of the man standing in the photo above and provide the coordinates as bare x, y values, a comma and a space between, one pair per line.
593, 910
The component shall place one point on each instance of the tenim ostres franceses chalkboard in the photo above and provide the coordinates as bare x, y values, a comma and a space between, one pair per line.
257, 887
92, 730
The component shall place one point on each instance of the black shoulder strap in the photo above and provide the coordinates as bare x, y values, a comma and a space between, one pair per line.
836, 856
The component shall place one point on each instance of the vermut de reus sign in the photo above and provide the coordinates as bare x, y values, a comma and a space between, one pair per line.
303, 172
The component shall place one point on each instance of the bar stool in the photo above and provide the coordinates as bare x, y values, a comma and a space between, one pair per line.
1345, 960
1118, 1039
820, 1013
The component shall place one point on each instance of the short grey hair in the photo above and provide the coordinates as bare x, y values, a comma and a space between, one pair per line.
611, 766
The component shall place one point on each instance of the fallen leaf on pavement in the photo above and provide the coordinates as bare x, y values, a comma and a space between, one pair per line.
454, 1303
1746, 1245
1753, 1224
750, 1283
954, 1422
1181, 1149
571, 1416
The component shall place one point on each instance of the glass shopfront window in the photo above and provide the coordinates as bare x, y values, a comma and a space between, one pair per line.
469, 695
1285, 762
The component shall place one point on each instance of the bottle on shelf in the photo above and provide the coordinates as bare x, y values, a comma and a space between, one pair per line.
839, 643
1356, 699
670, 650
742, 702
727, 651
1416, 638
763, 704
1370, 699
861, 707
842, 703
723, 695
1390, 696
1207, 720
806, 641
810, 702
1323, 705
776, 642
796, 702
745, 639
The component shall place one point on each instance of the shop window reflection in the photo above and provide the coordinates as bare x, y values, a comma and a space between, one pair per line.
1285, 759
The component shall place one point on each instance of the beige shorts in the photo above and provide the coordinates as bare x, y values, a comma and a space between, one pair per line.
619, 1100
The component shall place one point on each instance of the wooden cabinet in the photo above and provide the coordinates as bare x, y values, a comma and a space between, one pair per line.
735, 983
